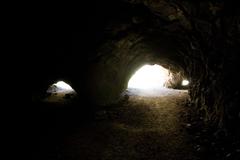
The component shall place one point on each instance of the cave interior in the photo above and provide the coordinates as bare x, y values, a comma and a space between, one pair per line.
96, 46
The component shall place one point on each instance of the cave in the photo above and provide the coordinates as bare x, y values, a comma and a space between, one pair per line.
97, 47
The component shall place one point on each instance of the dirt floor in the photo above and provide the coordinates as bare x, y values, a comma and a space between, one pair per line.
139, 128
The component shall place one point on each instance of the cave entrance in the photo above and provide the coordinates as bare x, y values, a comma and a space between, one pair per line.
149, 77
60, 92
149, 80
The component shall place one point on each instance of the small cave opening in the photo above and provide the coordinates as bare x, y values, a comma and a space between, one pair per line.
185, 82
60, 92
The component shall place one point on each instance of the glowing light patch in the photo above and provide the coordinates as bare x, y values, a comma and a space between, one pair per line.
185, 82
149, 77
60, 92
63, 85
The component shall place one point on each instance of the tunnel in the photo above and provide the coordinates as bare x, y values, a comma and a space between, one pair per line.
97, 46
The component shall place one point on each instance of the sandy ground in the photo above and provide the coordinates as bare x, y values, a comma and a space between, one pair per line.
163, 92
140, 128
60, 97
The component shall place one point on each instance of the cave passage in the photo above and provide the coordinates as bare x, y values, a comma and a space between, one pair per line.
188, 110
139, 128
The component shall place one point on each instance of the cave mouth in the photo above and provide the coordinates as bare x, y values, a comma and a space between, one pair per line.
151, 81
60, 92
60, 87
150, 77
185, 82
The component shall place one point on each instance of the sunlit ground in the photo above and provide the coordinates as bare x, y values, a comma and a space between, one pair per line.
60, 92
160, 92
149, 81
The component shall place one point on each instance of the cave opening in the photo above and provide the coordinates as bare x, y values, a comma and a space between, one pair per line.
185, 82
60, 86
154, 81
60, 92
149, 77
